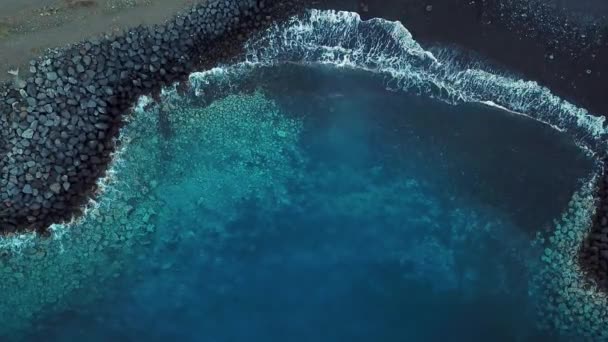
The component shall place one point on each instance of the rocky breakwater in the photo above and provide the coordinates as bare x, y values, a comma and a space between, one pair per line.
593, 254
60, 118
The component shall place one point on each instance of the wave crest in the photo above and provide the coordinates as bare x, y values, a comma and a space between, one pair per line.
387, 49
343, 39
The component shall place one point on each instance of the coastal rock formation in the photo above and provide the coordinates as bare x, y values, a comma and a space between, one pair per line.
593, 254
61, 117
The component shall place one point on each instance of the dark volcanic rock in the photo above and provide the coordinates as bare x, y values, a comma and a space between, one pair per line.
593, 254
57, 128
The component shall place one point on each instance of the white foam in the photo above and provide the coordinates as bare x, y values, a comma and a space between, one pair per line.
495, 105
17, 242
343, 40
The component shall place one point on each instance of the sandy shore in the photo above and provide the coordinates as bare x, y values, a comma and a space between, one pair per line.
28, 27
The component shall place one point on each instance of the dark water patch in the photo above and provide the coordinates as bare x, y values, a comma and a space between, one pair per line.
493, 156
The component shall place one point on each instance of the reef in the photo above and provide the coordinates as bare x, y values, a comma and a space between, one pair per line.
60, 118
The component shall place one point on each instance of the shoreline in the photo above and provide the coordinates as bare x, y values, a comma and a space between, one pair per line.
472, 18
515, 43
520, 44
60, 117
120, 68
28, 29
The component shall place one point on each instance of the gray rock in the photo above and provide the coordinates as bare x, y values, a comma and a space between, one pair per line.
27, 189
20, 84
52, 76
28, 133
55, 187
102, 125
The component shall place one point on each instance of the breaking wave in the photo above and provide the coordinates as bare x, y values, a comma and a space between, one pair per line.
385, 48
388, 50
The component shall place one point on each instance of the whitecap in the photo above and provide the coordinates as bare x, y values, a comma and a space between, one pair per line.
386, 48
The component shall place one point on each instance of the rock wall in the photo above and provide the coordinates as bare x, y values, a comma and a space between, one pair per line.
59, 119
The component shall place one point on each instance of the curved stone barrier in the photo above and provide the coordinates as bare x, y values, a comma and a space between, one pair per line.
593, 254
60, 118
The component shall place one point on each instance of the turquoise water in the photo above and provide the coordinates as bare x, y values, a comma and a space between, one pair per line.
326, 209
341, 184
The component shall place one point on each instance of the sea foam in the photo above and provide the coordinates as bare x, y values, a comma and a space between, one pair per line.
387, 48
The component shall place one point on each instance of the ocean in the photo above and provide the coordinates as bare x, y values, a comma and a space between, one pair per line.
338, 183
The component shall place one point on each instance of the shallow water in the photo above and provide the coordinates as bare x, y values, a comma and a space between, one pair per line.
322, 207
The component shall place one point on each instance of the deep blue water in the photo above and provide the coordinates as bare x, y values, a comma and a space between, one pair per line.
401, 219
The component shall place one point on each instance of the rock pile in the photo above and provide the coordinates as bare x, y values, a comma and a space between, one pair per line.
593, 255
59, 122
